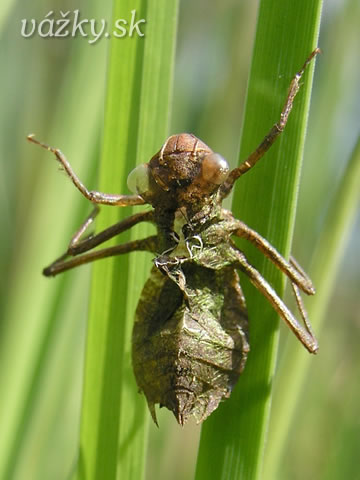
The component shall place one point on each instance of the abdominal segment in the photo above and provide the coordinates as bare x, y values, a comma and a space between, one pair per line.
190, 345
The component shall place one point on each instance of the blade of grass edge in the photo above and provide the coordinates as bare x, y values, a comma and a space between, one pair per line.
326, 260
104, 363
269, 207
110, 394
155, 106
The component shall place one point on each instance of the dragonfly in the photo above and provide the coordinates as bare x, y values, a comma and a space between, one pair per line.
190, 338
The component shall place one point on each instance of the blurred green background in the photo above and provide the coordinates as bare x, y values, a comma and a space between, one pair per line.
55, 88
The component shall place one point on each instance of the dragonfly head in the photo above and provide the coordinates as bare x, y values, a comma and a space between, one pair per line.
184, 173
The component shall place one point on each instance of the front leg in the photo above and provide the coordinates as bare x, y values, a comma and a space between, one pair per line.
93, 195
273, 134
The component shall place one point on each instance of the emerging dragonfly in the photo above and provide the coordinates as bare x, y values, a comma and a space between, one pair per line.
190, 338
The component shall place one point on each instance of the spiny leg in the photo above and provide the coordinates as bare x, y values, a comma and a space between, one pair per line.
146, 244
297, 267
303, 334
291, 269
78, 246
270, 138
81, 246
298, 298
302, 309
76, 238
298, 278
93, 195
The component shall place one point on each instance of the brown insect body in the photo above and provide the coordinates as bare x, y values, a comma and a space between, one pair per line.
190, 338
190, 334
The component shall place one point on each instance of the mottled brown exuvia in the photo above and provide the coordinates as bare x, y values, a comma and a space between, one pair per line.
190, 337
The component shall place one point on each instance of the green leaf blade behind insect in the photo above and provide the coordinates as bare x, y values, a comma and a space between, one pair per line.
104, 367
114, 425
266, 200
155, 107
326, 261
326, 212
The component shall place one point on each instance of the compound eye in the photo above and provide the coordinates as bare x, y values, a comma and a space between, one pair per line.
138, 179
214, 168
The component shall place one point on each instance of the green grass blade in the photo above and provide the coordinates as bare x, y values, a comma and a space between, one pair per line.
37, 317
265, 200
327, 257
105, 368
139, 90
305, 385
155, 106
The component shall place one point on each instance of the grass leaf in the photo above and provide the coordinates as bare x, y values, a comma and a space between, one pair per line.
266, 201
38, 330
326, 260
138, 97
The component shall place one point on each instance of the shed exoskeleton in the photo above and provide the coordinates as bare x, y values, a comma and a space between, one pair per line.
190, 337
